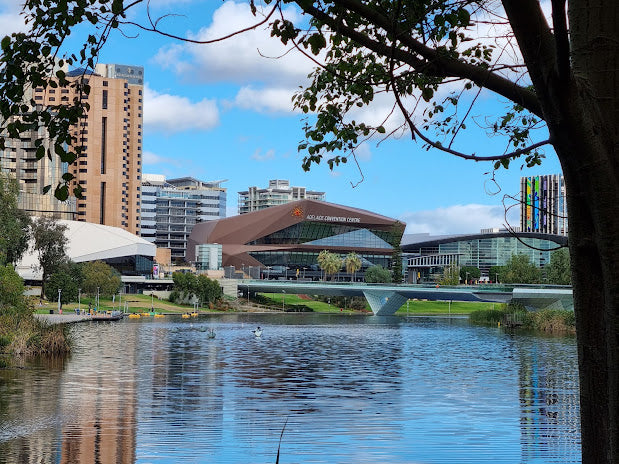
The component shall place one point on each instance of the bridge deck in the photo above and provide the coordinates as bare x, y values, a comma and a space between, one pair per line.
384, 298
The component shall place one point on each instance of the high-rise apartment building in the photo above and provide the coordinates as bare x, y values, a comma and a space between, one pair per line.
109, 167
170, 208
19, 160
277, 193
543, 207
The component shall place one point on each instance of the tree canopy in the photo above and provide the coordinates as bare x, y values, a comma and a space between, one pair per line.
100, 277
559, 271
50, 245
451, 275
377, 275
14, 223
520, 270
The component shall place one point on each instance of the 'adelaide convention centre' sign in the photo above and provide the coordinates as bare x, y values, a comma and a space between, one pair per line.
312, 217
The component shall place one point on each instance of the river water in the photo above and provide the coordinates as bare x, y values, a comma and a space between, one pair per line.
336, 389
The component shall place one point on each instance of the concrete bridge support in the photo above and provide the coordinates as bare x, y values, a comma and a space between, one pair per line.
384, 302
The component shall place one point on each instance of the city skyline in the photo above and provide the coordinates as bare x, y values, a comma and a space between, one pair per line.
212, 117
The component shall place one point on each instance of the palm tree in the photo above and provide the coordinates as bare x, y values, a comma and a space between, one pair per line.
353, 263
329, 262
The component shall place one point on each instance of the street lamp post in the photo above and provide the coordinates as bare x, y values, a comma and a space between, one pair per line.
79, 300
284, 300
407, 301
496, 278
467, 278
97, 300
59, 292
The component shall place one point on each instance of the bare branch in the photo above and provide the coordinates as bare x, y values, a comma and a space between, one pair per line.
153, 28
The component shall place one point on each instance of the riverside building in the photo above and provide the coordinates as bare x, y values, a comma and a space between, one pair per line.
285, 240
427, 256
170, 208
278, 192
110, 165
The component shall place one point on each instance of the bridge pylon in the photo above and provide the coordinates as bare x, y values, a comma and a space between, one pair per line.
384, 302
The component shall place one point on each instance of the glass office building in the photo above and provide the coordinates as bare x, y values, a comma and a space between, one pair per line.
428, 256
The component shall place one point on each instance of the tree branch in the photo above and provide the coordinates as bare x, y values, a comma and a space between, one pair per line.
431, 60
559, 21
415, 131
154, 28
535, 40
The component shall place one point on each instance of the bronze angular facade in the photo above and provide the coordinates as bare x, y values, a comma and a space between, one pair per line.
293, 234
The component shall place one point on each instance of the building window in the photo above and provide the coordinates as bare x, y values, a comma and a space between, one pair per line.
103, 142
104, 103
102, 204
104, 83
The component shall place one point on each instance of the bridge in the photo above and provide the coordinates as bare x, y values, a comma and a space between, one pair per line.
386, 299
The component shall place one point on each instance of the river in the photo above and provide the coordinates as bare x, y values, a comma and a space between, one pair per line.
335, 388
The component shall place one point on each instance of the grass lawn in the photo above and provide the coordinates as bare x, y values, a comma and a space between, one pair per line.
421, 307
415, 307
137, 304
295, 300
141, 303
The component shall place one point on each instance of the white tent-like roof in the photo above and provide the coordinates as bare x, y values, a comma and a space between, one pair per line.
91, 242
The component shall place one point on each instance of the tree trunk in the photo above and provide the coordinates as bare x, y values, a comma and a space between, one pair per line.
587, 149
587, 142
579, 96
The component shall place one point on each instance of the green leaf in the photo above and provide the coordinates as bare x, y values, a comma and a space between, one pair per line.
6, 42
62, 192
40, 152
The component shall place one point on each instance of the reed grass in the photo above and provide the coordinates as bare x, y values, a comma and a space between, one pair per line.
22, 334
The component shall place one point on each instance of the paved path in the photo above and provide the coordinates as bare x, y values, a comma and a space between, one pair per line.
62, 318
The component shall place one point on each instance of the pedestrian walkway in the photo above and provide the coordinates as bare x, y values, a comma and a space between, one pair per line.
62, 318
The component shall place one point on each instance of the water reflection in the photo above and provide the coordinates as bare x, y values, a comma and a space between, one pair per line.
349, 389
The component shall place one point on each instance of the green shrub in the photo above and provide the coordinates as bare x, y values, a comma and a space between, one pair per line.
552, 320
487, 316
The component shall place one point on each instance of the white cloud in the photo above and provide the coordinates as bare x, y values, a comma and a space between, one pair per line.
266, 100
10, 18
268, 155
149, 157
458, 219
171, 113
363, 152
247, 57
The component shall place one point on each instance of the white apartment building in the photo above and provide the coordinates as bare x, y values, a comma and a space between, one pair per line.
277, 193
171, 207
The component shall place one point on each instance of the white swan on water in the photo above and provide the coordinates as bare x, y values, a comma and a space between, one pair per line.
257, 332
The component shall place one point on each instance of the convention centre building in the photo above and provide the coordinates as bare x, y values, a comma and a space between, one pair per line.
285, 240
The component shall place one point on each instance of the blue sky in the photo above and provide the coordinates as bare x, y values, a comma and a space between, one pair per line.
223, 111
